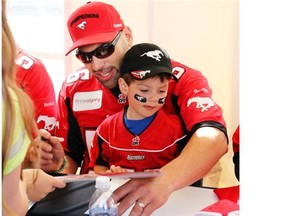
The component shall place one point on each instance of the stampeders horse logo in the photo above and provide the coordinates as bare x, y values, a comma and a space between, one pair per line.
82, 25
140, 74
154, 54
50, 122
201, 102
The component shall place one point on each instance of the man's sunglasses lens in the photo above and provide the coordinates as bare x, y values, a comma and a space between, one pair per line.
100, 52
104, 51
85, 58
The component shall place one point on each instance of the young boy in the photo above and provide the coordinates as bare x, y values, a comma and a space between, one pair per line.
142, 136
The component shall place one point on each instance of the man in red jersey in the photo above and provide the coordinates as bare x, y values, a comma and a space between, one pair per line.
92, 94
34, 79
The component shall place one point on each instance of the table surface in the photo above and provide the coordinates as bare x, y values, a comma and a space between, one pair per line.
186, 201
74, 199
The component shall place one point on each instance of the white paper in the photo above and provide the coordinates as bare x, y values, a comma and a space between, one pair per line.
124, 175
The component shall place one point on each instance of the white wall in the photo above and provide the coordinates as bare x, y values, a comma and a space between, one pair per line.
199, 33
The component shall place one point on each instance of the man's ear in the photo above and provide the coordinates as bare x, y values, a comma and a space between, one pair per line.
128, 36
123, 86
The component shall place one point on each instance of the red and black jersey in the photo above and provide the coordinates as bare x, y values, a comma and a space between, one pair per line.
191, 99
157, 145
84, 103
34, 79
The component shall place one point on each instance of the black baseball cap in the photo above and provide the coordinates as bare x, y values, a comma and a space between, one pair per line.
146, 60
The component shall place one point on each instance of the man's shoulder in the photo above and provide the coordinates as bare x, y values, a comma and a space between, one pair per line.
182, 70
26, 61
80, 81
21, 52
81, 78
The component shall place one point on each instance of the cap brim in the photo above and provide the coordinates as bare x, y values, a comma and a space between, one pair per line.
93, 39
171, 74
158, 70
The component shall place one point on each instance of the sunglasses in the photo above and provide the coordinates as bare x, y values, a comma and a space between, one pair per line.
100, 52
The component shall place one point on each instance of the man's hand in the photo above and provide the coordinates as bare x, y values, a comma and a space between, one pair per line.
48, 150
145, 195
202, 152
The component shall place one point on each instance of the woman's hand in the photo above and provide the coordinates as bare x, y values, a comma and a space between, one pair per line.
39, 184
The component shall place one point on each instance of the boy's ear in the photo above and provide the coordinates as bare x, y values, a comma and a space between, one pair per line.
123, 86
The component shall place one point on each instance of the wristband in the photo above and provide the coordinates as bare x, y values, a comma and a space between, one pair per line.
63, 166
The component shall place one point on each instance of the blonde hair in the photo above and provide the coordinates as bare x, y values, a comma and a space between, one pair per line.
8, 82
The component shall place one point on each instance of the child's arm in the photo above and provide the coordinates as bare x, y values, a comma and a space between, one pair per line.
116, 169
100, 169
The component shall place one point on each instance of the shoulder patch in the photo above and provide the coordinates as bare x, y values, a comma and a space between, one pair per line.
82, 74
203, 103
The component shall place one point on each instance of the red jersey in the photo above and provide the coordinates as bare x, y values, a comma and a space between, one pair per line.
153, 148
34, 79
83, 103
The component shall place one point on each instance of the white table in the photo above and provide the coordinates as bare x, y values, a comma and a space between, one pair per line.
184, 202
74, 199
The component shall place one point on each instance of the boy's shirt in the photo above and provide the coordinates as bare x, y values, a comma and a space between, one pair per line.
156, 146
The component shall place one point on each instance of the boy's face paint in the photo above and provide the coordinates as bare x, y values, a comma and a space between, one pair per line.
140, 98
161, 100
144, 99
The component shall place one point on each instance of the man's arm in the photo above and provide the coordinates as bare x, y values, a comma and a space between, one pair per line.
71, 167
202, 152
204, 149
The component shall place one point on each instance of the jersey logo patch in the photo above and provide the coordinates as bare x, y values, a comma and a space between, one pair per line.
87, 100
122, 98
201, 102
135, 157
136, 141
50, 122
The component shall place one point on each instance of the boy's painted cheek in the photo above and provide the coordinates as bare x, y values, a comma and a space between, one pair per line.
161, 100
140, 98
144, 99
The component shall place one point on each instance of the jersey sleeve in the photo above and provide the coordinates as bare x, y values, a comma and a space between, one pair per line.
34, 79
193, 101
68, 126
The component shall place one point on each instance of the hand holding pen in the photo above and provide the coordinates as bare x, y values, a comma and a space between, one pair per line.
48, 150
